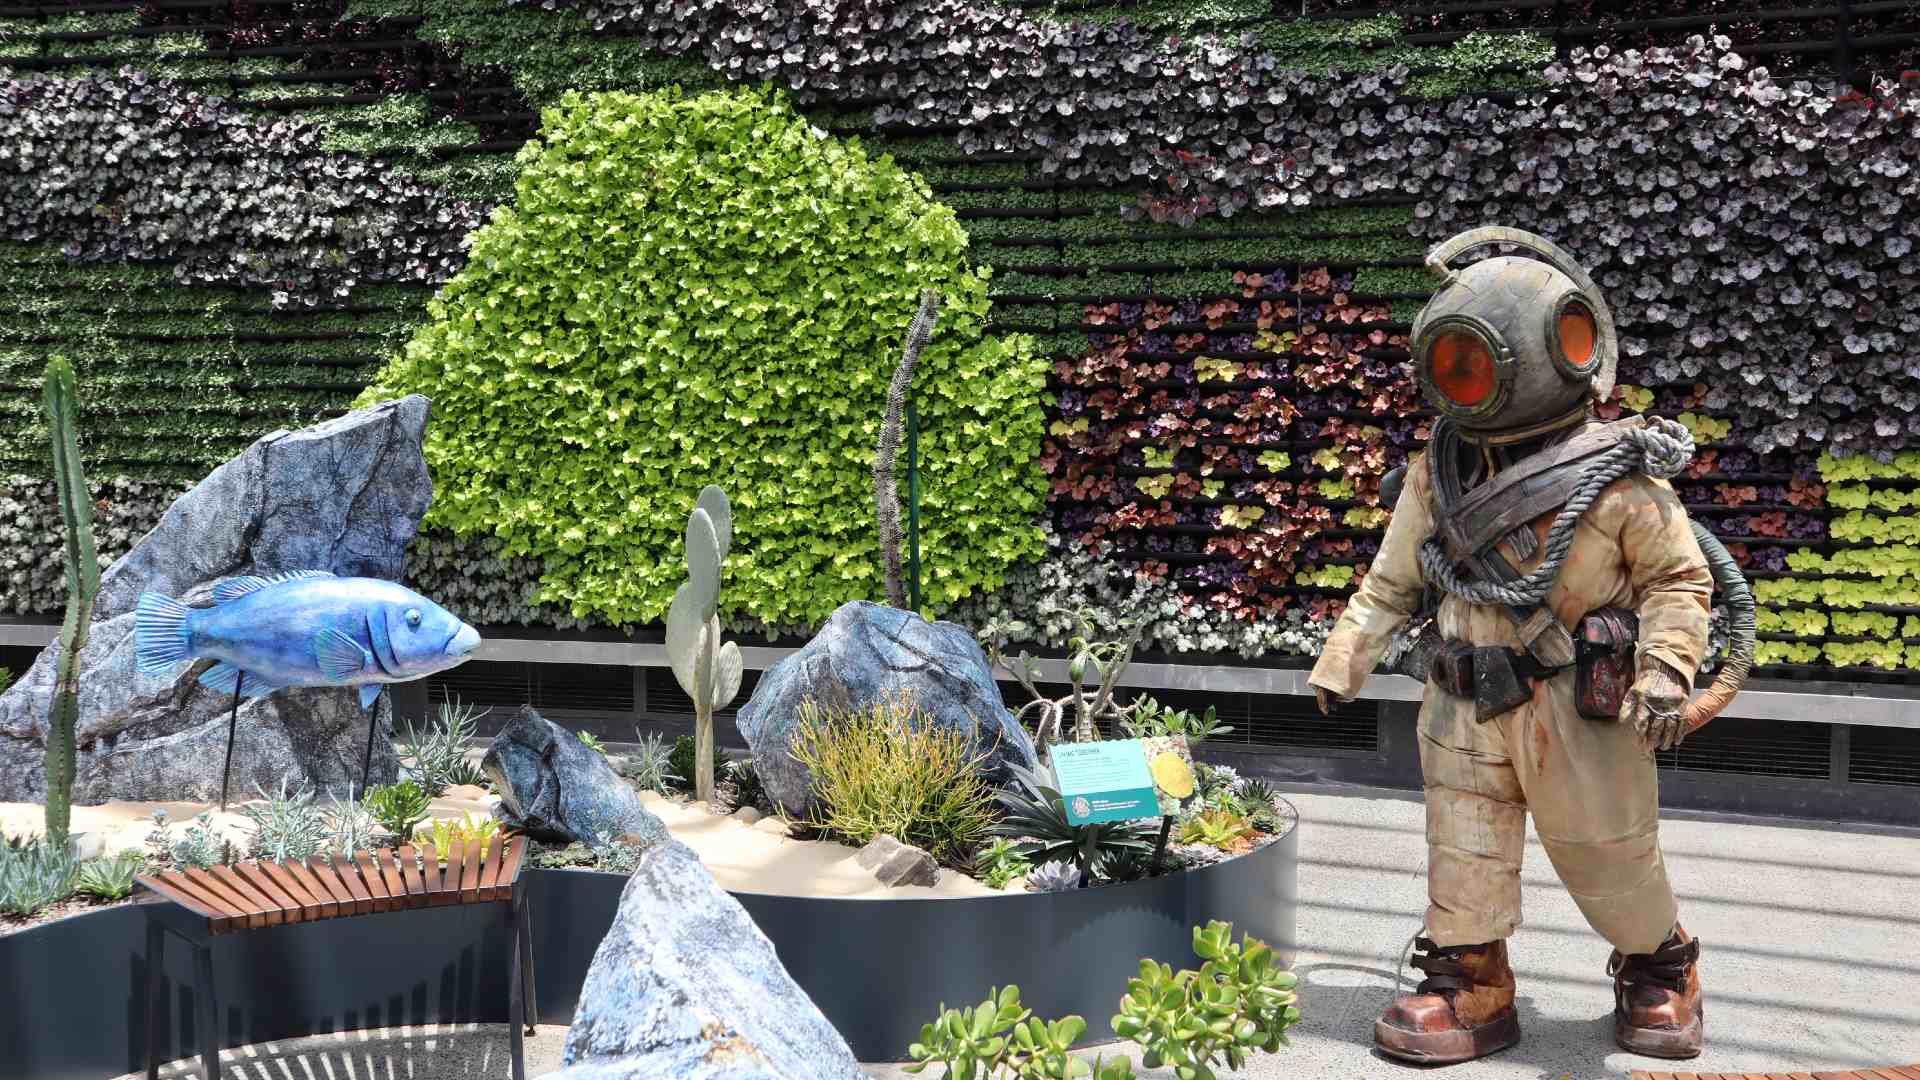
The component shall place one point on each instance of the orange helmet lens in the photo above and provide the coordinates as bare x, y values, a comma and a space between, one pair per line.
1462, 367
1577, 333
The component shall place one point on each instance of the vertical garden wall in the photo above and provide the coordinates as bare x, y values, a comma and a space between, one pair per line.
1206, 216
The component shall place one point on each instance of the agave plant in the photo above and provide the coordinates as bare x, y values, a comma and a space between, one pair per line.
1036, 820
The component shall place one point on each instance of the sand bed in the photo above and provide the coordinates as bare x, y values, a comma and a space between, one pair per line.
758, 857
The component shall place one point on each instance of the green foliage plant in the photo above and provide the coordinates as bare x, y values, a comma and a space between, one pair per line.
680, 763
399, 808
999, 863
1001, 1038
440, 753
35, 875
83, 585
1223, 829
650, 765
109, 878
707, 289
1199, 1022
592, 742
286, 824
1150, 719
708, 669
884, 769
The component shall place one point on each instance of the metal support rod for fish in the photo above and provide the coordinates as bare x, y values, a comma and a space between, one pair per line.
233, 719
366, 763
1160, 845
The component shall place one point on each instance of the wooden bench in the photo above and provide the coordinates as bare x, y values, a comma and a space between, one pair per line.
199, 905
1884, 1073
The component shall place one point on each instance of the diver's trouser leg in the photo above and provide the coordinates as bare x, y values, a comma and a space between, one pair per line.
1596, 807
1476, 825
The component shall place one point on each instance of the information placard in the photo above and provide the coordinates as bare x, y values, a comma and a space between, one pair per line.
1123, 779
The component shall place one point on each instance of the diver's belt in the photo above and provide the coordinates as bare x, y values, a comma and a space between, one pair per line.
1495, 678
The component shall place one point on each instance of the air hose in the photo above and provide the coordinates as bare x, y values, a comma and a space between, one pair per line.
1742, 622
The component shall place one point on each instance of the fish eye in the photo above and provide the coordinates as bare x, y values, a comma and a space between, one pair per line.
413, 616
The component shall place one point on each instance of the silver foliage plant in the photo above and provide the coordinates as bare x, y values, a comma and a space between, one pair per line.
650, 764
286, 824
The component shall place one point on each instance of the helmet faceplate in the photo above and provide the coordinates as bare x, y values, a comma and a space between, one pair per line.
1511, 342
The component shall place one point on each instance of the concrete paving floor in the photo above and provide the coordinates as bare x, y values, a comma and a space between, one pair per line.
1808, 933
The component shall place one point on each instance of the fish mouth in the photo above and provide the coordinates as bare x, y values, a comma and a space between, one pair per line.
464, 642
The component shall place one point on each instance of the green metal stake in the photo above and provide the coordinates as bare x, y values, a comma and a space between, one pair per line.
913, 507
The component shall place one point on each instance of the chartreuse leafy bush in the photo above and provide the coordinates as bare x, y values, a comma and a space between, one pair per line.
709, 290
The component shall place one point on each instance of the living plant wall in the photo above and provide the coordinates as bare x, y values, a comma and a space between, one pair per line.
1208, 218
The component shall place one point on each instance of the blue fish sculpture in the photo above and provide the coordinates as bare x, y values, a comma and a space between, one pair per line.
305, 628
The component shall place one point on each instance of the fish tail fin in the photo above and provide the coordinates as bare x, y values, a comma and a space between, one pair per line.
160, 634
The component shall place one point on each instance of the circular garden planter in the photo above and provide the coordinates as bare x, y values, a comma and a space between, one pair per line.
878, 969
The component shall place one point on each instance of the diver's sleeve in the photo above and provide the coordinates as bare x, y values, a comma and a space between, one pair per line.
1672, 587
1387, 597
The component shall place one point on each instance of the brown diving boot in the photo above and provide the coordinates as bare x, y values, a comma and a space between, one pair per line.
1462, 1010
1657, 1009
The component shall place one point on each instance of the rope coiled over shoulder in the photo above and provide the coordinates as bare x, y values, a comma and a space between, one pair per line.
1660, 449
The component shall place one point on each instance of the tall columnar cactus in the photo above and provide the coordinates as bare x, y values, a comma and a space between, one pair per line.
83, 584
708, 669
886, 493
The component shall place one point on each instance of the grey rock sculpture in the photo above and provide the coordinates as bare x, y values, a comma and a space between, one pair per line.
346, 496
897, 863
556, 787
865, 653
686, 987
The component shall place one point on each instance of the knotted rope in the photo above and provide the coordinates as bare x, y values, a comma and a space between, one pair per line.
1660, 449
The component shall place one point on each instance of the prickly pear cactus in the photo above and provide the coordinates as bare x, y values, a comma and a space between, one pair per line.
707, 669
83, 584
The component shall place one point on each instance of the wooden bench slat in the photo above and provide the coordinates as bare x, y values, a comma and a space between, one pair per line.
348, 875
456, 870
410, 873
510, 870
324, 871
260, 911
1911, 1072
310, 905
430, 871
251, 872
376, 883
247, 911
470, 874
324, 901
493, 858
178, 890
391, 876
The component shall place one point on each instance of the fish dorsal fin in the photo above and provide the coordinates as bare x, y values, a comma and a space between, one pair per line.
236, 587
340, 657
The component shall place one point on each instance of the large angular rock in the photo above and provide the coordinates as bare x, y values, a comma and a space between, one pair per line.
556, 787
345, 496
865, 653
686, 987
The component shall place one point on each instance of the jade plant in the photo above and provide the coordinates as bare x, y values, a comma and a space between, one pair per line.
1193, 1022
83, 584
708, 669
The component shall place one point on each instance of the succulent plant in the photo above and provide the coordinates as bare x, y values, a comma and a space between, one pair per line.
650, 766
706, 668
83, 585
886, 496
1053, 877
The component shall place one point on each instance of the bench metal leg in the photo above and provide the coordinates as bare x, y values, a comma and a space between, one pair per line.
156, 955
526, 965
209, 1018
516, 993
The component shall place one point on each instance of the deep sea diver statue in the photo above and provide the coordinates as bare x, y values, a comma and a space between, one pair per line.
1573, 605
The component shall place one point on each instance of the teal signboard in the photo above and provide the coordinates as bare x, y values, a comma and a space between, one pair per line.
1105, 781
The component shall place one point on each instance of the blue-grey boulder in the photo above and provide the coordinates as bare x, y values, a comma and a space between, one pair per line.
867, 653
346, 496
686, 987
556, 787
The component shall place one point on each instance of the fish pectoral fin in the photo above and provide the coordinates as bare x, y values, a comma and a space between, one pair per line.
369, 694
222, 678
236, 587
340, 657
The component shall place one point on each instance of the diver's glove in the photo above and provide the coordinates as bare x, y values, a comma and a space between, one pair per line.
1656, 706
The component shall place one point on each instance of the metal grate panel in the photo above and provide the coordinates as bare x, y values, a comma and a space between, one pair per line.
665, 698
1883, 755
1756, 748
